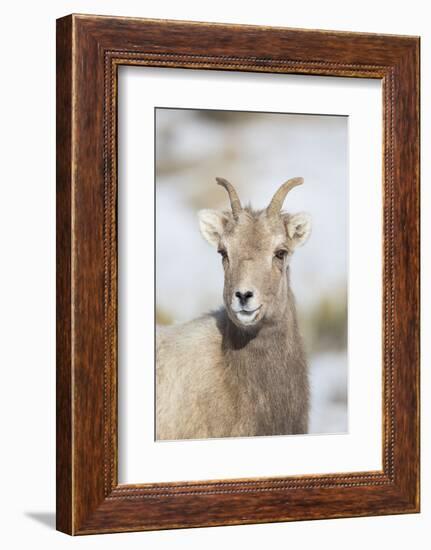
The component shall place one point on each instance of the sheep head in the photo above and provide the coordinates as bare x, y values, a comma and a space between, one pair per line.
256, 247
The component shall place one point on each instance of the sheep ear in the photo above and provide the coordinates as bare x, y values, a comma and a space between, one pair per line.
212, 224
298, 228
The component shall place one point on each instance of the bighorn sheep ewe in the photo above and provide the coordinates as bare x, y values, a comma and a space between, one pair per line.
239, 371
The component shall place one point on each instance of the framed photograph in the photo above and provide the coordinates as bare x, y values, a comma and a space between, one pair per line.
237, 274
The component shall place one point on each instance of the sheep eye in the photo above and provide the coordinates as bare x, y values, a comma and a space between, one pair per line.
280, 254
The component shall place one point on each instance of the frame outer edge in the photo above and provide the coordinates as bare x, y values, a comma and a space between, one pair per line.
64, 367
407, 278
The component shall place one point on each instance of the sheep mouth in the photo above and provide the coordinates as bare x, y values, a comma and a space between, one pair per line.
248, 317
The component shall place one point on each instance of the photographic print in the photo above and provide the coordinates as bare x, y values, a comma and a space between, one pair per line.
251, 239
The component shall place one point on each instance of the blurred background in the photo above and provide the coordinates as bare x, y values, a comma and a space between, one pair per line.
257, 152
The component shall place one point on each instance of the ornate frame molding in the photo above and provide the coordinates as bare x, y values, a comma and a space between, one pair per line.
89, 498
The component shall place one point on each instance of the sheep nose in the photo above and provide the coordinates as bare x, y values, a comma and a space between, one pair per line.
243, 296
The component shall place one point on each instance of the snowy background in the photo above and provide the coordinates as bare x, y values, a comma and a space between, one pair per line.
257, 152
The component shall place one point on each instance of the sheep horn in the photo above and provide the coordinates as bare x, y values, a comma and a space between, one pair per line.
278, 199
235, 203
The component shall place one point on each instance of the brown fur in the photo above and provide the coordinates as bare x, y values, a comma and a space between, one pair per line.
231, 373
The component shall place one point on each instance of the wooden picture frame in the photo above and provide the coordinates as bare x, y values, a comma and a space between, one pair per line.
89, 51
